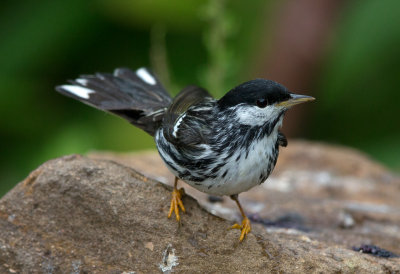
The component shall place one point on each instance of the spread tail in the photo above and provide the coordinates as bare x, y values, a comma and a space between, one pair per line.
136, 96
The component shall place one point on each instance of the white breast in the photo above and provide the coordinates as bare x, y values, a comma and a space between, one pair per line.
240, 175
245, 173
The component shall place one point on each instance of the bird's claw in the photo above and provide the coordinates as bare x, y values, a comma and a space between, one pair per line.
245, 228
176, 203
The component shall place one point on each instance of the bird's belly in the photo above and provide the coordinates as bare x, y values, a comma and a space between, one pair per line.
241, 175
240, 172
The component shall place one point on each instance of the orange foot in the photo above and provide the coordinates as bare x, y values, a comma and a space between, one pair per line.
245, 228
176, 202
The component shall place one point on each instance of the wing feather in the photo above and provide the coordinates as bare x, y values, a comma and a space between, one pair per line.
184, 125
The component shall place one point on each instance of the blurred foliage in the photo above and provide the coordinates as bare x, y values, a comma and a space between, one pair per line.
220, 28
182, 16
358, 100
208, 43
43, 43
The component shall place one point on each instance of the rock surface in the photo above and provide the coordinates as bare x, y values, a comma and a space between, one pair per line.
93, 215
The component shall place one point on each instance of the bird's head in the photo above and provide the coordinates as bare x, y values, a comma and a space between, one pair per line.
258, 102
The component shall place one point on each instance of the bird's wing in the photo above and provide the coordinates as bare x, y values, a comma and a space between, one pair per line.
185, 125
137, 96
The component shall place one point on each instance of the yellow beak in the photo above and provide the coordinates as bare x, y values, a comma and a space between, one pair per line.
294, 100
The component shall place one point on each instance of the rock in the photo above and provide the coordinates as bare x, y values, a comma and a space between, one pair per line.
93, 215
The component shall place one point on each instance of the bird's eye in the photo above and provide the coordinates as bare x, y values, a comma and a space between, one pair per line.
262, 103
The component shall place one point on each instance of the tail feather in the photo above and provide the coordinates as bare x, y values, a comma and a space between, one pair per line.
136, 96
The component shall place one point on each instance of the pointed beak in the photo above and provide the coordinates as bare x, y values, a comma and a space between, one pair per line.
295, 99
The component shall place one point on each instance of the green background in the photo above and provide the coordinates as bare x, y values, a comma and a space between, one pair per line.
44, 43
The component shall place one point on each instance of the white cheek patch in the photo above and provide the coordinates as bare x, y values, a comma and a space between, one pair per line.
81, 92
253, 115
143, 74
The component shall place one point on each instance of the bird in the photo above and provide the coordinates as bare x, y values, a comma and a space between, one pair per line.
221, 147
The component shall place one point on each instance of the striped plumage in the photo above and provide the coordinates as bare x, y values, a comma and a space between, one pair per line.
221, 147
235, 157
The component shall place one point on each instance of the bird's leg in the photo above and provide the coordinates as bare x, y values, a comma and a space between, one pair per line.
176, 201
245, 227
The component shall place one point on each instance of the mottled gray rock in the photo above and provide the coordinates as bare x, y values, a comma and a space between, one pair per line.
75, 215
